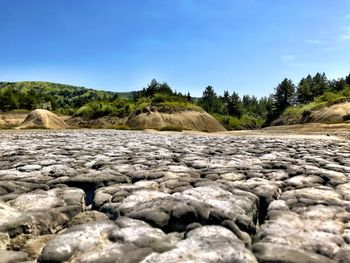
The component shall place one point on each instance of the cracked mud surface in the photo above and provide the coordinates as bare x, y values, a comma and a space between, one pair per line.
114, 196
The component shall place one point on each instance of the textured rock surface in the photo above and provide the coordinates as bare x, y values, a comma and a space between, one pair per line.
114, 196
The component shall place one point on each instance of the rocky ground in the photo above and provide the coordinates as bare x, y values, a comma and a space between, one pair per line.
114, 196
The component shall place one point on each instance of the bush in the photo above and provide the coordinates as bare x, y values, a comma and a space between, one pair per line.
245, 122
170, 128
122, 107
306, 113
95, 110
120, 127
229, 122
20, 111
176, 106
346, 117
65, 111
331, 98
161, 97
251, 122
303, 109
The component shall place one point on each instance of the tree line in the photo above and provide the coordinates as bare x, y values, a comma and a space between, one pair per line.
285, 95
232, 104
233, 111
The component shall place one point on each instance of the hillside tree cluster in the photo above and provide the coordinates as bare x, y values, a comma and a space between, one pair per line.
233, 111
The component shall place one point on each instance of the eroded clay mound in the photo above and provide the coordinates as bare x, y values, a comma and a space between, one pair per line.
337, 113
42, 119
187, 120
334, 113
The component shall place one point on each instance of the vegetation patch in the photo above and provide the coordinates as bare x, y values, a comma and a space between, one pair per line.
246, 122
346, 117
171, 128
124, 127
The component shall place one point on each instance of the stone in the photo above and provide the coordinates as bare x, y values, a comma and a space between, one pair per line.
29, 168
127, 239
206, 244
269, 253
88, 216
8, 256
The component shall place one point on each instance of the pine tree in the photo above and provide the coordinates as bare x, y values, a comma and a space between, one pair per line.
284, 96
305, 90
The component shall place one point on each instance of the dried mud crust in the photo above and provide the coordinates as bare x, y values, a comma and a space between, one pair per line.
121, 196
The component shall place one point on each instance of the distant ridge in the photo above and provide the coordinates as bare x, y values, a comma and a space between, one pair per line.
54, 85
64, 95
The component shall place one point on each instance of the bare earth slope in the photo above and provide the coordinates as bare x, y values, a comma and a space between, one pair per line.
331, 114
42, 119
190, 120
10, 120
334, 113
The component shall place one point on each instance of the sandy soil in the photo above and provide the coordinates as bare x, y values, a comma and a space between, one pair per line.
9, 120
300, 131
308, 130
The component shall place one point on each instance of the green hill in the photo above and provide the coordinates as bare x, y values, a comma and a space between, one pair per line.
89, 103
52, 96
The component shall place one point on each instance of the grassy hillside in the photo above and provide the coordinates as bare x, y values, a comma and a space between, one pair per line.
52, 96
89, 103
121, 108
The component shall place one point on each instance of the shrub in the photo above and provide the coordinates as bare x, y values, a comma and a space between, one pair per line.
234, 123
176, 106
250, 122
95, 110
161, 97
170, 128
229, 122
306, 115
346, 117
65, 111
120, 127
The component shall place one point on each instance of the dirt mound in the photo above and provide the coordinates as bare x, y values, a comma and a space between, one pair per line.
334, 113
337, 113
187, 120
42, 119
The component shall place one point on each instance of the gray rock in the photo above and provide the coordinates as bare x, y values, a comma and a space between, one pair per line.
127, 239
206, 244
269, 253
8, 256
88, 216
29, 168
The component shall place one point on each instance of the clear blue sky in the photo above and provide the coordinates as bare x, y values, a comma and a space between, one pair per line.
247, 46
